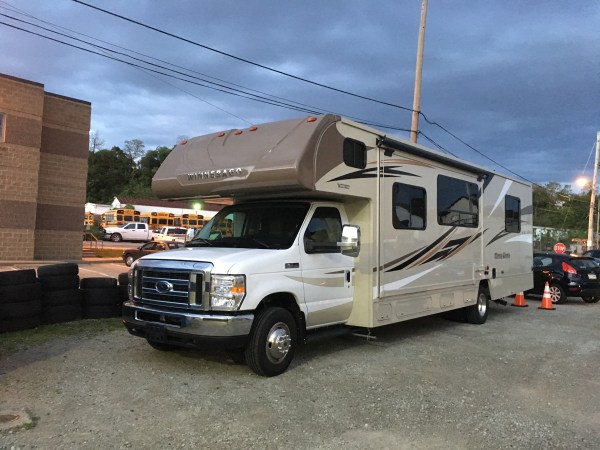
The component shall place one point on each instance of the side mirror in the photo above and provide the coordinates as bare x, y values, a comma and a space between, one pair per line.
350, 244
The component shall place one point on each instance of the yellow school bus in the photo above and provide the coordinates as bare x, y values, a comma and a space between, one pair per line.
116, 217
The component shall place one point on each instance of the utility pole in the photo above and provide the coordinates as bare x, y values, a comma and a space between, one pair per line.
414, 128
590, 237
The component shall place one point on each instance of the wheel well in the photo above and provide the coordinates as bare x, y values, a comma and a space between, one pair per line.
287, 301
483, 284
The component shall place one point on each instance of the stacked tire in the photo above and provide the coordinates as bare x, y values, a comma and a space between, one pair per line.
61, 297
123, 286
100, 298
20, 300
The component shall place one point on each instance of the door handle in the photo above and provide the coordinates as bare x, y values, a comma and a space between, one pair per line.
347, 276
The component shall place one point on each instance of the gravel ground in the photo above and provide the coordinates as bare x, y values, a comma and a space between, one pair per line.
528, 378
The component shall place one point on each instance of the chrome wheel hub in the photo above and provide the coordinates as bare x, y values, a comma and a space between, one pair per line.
279, 342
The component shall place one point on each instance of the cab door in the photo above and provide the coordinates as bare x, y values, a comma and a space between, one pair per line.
326, 273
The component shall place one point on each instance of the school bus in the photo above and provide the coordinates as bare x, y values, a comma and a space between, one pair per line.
190, 220
91, 220
157, 219
115, 217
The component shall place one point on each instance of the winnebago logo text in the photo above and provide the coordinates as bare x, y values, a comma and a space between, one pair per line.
221, 173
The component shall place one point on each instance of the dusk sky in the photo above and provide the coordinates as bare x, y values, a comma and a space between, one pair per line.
517, 81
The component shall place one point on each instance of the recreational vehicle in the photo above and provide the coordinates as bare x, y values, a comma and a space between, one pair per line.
334, 226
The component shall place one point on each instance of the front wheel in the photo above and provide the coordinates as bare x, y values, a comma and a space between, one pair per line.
272, 342
116, 237
557, 294
478, 313
591, 299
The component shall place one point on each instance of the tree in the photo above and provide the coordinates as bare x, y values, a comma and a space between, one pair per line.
109, 171
96, 142
135, 149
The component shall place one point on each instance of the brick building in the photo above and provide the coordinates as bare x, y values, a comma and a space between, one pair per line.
43, 171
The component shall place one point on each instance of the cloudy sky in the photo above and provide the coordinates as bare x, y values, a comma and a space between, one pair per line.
517, 81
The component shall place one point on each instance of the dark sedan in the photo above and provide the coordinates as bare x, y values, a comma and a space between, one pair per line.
131, 254
567, 276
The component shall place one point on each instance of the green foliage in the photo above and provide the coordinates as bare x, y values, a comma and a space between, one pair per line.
557, 206
113, 173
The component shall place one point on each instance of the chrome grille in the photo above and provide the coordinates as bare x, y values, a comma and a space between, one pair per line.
171, 283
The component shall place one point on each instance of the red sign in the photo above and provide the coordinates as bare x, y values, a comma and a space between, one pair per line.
559, 247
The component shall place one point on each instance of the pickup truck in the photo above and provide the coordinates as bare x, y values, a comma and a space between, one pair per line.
132, 231
171, 234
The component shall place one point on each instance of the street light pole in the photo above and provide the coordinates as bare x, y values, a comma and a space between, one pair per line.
590, 236
414, 128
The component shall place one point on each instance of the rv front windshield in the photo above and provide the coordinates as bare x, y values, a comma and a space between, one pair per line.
253, 225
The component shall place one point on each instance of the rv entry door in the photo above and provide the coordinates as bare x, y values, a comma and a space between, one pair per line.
326, 273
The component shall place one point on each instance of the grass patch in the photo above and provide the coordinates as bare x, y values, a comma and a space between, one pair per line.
24, 339
109, 253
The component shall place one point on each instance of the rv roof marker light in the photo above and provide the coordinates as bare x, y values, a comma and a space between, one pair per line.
183, 142
253, 128
238, 132
311, 119
221, 134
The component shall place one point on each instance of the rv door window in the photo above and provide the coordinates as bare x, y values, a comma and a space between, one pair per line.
512, 208
457, 202
324, 231
409, 207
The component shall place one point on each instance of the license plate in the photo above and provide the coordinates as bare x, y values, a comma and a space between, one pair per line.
592, 276
156, 333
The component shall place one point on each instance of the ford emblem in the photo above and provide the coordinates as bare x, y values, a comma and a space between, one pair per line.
164, 286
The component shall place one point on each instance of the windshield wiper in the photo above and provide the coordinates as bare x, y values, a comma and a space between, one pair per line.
197, 241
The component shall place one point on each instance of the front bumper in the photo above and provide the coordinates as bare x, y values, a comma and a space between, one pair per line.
186, 329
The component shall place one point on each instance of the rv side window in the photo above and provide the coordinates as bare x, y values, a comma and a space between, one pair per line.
324, 231
512, 207
355, 153
409, 207
457, 202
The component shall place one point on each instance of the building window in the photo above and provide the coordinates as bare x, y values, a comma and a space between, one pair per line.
457, 202
409, 207
512, 214
2, 126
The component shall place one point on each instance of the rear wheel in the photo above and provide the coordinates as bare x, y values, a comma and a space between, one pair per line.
478, 313
591, 299
272, 342
557, 294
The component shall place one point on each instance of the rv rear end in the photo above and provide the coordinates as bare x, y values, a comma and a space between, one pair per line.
334, 226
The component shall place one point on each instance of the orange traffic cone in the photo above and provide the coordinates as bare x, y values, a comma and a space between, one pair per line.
520, 300
546, 299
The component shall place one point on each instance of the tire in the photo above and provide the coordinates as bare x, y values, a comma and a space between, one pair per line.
59, 282
557, 294
63, 313
98, 282
20, 324
161, 346
477, 314
20, 310
591, 299
20, 293
129, 259
52, 299
123, 279
272, 342
116, 237
108, 296
123, 292
53, 270
17, 277
101, 311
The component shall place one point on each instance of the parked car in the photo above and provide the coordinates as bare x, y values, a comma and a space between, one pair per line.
171, 234
593, 254
567, 276
131, 254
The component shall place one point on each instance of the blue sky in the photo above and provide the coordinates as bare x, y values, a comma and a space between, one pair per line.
517, 81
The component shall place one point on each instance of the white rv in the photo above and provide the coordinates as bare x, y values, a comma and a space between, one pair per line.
334, 225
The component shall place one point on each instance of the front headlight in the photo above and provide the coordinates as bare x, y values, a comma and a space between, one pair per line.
227, 291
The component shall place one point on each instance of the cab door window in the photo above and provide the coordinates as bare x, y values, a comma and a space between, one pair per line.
324, 231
